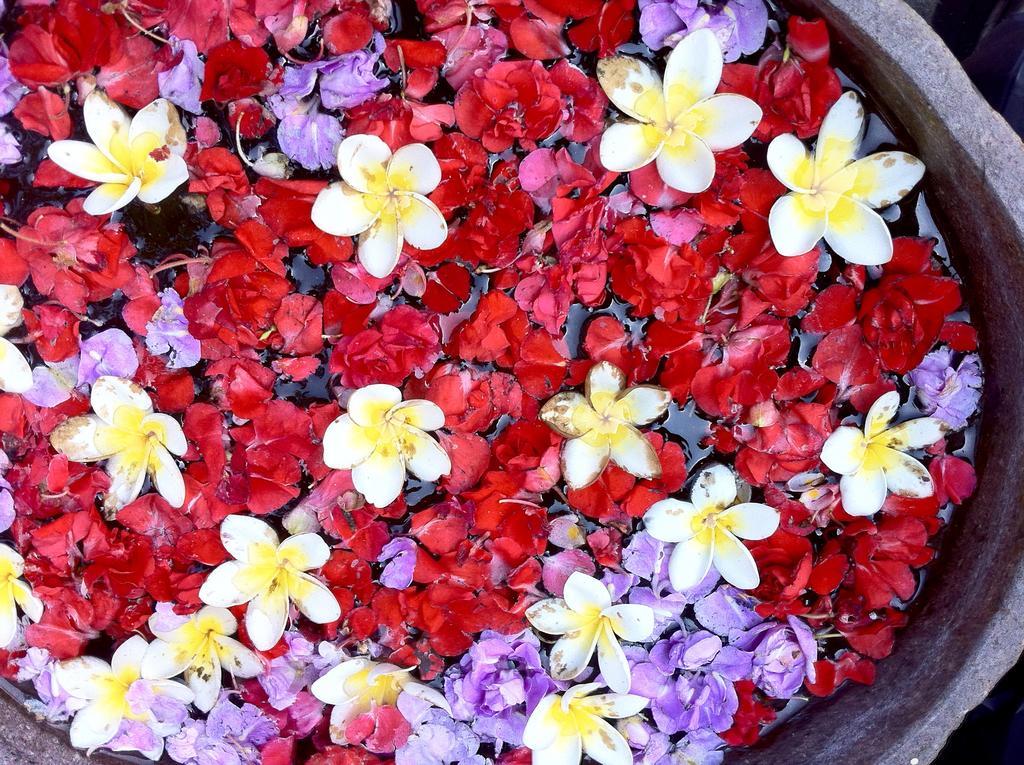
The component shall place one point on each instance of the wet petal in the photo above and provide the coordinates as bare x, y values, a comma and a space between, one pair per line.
670, 520
541, 728
237, 659
571, 654
839, 137
687, 165
858, 234
94, 725
583, 593
81, 677
30, 605
715, 487
381, 477
634, 453
603, 743
161, 119
167, 478
881, 413
8, 622
791, 163
426, 458
204, 680
885, 178
108, 125
582, 462
362, 162
863, 492
164, 660
914, 434
844, 450
330, 687
161, 183
568, 414
127, 659
312, 597
628, 146
604, 383
693, 71
347, 444
414, 168
266, 616
304, 551
734, 561
554, 617
340, 210
109, 197
689, 563
643, 404
368, 405
631, 621
796, 227
905, 476
615, 706
726, 120
612, 661
168, 430
243, 535
86, 161
422, 224
751, 520
633, 86
111, 393
380, 246
127, 471
15, 372
228, 585
419, 413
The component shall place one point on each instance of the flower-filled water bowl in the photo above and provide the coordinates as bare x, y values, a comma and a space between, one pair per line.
557, 380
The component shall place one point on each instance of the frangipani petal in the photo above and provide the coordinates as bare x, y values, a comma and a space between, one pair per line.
428, 694
568, 414
330, 687
380, 478
419, 413
171, 173
168, 430
237, 659
603, 743
628, 146
368, 405
204, 680
858, 234
844, 450
905, 476
94, 725
751, 520
686, 165
863, 492
414, 168
340, 210
76, 439
614, 706
670, 520
554, 617
634, 453
692, 71
110, 197
82, 677
689, 563
15, 372
795, 226
165, 660
422, 225
633, 86
583, 593
583, 462
127, 659
30, 605
541, 728
791, 163
839, 137
159, 118
643, 404
914, 434
880, 414
380, 246
108, 125
8, 622
86, 161
313, 599
715, 487
630, 621
243, 535
612, 661
362, 162
266, 617
571, 654
127, 471
347, 444
726, 120
304, 551
885, 178
604, 383
227, 585
167, 478
734, 562
426, 458
111, 393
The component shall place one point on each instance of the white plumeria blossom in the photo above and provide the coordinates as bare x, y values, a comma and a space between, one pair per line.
381, 437
872, 462
200, 647
601, 425
707, 531
268, 575
14, 593
564, 727
140, 156
382, 198
678, 124
586, 619
15, 372
103, 689
133, 439
832, 194
357, 686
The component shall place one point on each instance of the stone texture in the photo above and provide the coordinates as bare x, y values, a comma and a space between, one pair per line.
967, 625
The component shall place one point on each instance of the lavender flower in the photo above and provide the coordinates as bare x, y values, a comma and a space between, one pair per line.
231, 735
168, 331
54, 704
109, 352
400, 555
11, 90
348, 80
783, 655
287, 675
10, 149
182, 83
727, 610
739, 25
306, 134
497, 684
54, 382
436, 738
951, 394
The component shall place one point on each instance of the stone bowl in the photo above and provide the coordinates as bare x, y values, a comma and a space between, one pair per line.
966, 626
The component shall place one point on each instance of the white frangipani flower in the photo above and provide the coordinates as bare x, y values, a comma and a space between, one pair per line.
14, 593
872, 462
833, 194
565, 726
15, 372
140, 156
381, 437
104, 689
269, 574
133, 439
199, 647
707, 531
358, 685
382, 198
680, 124
586, 619
602, 425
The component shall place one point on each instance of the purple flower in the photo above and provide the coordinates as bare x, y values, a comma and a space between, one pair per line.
182, 83
10, 149
739, 25
54, 704
951, 394
497, 684
436, 738
701, 747
648, 557
11, 90
109, 352
135, 736
348, 80
289, 673
650, 744
53, 383
783, 655
306, 134
168, 331
400, 555
231, 735
726, 610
